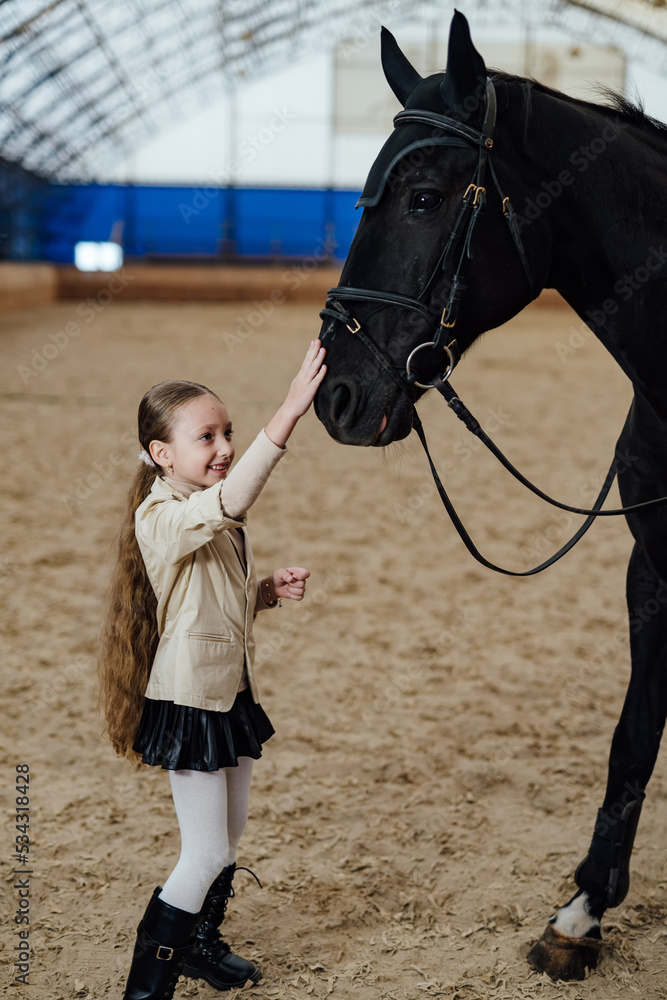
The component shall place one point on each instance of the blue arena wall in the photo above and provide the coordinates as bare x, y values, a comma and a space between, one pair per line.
153, 222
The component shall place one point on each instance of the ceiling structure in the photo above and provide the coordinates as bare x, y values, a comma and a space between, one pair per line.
80, 77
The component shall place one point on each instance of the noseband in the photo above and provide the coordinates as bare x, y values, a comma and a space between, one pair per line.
459, 249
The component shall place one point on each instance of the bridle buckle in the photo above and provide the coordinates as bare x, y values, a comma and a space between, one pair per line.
480, 193
447, 326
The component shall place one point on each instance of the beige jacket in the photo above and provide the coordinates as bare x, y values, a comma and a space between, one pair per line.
206, 595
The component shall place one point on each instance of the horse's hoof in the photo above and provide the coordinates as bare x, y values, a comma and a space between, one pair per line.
564, 957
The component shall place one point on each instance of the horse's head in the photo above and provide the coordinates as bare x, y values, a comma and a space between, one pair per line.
410, 265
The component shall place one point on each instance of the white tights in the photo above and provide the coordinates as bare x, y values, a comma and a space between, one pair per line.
212, 809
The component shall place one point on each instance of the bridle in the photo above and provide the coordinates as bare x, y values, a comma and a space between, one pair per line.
458, 250
458, 247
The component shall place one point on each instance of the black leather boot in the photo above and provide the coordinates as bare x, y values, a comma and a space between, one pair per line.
211, 958
164, 937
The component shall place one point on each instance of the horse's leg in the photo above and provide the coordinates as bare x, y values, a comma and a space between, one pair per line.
572, 939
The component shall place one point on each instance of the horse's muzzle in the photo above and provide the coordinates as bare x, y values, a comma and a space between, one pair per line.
352, 416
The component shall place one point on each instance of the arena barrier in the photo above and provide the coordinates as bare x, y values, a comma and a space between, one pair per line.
37, 284
300, 280
27, 284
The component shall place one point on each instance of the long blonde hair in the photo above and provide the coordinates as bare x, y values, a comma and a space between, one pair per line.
129, 635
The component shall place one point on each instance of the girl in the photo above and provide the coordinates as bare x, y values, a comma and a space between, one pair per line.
179, 631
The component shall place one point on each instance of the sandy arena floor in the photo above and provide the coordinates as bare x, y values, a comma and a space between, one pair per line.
442, 732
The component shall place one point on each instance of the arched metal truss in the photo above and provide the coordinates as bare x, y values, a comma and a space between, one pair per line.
637, 27
80, 73
79, 77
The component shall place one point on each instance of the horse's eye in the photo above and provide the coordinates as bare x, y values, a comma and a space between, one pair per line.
425, 201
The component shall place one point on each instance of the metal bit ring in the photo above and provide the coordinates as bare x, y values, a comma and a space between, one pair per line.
445, 375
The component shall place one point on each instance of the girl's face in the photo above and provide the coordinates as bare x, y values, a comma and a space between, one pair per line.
201, 449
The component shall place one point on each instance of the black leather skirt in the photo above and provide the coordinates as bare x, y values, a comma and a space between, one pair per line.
178, 737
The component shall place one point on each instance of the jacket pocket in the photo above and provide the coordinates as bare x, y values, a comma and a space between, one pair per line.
209, 637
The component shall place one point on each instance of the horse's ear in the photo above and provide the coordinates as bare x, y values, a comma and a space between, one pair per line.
464, 83
401, 75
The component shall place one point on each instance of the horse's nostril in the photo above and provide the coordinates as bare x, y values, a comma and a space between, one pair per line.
341, 397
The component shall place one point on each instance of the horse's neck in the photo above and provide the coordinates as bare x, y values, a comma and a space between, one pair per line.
608, 260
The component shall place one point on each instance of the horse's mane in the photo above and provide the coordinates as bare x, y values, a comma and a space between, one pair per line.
614, 104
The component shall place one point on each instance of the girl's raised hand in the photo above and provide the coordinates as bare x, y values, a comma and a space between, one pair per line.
290, 582
306, 383
300, 396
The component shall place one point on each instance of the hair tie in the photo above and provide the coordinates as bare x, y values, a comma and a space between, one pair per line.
146, 458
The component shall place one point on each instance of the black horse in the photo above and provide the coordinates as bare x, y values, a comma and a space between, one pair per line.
576, 200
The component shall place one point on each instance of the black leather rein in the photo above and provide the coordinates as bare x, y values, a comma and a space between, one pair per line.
458, 249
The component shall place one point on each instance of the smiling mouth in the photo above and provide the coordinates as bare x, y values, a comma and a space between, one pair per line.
220, 468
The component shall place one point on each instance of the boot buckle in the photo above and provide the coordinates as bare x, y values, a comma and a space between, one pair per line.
169, 953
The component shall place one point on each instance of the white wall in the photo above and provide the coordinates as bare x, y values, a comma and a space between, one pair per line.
275, 131
278, 130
